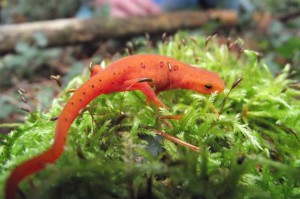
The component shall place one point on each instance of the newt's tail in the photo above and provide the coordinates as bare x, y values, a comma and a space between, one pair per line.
84, 95
27, 168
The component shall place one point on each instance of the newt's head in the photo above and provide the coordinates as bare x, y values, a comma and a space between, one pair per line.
203, 81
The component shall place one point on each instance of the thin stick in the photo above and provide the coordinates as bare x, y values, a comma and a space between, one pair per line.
178, 141
237, 81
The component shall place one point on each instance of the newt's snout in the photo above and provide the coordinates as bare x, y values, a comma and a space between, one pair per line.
212, 84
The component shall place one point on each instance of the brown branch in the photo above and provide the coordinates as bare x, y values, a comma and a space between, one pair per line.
289, 16
178, 141
73, 31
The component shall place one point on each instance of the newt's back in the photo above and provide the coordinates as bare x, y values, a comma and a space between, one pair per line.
166, 73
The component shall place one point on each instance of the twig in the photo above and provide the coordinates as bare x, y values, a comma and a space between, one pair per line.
178, 141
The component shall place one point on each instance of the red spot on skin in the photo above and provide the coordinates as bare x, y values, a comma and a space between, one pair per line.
175, 67
143, 65
161, 64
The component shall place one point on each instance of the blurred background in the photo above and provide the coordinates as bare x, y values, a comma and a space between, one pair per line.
32, 61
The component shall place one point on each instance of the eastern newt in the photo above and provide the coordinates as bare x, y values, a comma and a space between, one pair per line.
136, 72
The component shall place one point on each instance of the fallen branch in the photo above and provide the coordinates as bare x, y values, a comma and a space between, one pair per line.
73, 31
289, 16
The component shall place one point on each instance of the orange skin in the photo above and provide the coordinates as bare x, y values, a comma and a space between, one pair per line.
137, 72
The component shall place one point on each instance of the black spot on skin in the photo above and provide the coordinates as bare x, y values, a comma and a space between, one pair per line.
114, 73
93, 86
143, 66
80, 100
83, 93
161, 64
208, 86
112, 82
100, 80
72, 103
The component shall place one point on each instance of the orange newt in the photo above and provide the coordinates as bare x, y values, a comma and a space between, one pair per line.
136, 72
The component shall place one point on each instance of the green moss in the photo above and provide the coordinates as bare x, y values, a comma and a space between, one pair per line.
251, 150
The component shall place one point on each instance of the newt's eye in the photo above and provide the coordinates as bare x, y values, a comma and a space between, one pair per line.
208, 86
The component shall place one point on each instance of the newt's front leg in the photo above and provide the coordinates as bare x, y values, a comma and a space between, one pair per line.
137, 84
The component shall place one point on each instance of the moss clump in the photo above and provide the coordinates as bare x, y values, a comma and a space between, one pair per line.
250, 150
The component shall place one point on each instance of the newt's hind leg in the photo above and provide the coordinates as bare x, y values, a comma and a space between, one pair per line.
94, 69
142, 84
